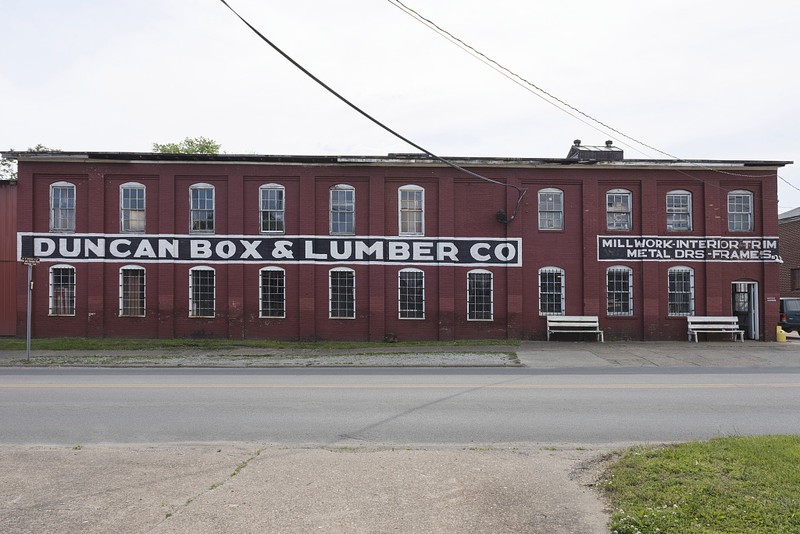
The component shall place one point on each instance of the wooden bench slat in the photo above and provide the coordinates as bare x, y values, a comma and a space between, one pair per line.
574, 324
713, 325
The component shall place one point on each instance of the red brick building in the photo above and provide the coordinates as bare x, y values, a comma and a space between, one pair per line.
789, 233
368, 248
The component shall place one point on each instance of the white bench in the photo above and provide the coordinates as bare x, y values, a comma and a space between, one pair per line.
714, 325
574, 324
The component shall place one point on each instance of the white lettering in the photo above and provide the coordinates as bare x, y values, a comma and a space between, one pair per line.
343, 254
505, 252
98, 248
64, 250
250, 249
200, 248
362, 250
446, 250
474, 251
310, 254
399, 251
116, 252
225, 249
43, 246
145, 250
167, 248
423, 251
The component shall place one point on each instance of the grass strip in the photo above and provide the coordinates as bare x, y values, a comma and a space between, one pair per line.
76, 343
724, 485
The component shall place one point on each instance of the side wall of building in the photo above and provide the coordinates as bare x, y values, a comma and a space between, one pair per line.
455, 206
790, 254
8, 258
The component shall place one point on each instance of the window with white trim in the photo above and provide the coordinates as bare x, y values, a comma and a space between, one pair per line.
480, 288
272, 206
343, 210
272, 292
680, 291
202, 292
62, 207
201, 209
131, 207
551, 209
740, 211
62, 290
342, 293
132, 291
619, 290
411, 294
411, 210
551, 291
618, 209
679, 211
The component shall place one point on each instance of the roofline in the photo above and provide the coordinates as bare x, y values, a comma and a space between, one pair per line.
392, 159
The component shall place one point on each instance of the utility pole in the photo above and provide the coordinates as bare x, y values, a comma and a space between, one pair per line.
30, 262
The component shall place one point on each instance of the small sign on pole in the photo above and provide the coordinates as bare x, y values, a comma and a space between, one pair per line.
30, 262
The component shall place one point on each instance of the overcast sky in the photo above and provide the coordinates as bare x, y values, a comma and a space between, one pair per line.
704, 80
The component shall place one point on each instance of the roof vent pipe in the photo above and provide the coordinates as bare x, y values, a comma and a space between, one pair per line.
609, 143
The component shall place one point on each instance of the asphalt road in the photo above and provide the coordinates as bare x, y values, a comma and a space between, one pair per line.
393, 406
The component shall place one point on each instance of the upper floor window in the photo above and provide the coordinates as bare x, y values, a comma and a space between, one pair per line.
343, 210
679, 211
618, 209
132, 207
201, 209
202, 292
342, 293
412, 210
62, 290
131, 291
680, 291
619, 290
62, 207
551, 291
480, 286
273, 208
411, 294
551, 209
272, 288
740, 211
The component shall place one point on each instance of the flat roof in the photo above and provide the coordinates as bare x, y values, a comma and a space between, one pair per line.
391, 159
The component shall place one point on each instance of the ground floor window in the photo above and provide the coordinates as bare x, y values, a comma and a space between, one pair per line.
551, 291
479, 295
202, 292
681, 291
272, 286
62, 290
411, 294
619, 291
342, 294
131, 292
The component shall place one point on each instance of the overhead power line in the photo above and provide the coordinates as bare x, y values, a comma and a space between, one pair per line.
502, 218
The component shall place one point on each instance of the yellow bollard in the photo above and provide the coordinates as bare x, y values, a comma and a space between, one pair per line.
780, 335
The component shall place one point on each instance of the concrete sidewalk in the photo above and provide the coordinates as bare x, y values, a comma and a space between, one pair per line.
531, 354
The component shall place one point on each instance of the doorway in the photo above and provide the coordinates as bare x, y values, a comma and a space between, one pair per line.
745, 307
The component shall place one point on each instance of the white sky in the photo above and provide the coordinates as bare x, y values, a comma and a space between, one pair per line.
704, 80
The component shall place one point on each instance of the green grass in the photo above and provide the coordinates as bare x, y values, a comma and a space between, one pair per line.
76, 343
726, 485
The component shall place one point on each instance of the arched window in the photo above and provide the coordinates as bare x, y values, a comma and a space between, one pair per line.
62, 290
132, 207
62, 207
132, 291
342, 293
551, 209
619, 290
551, 291
411, 294
343, 210
679, 211
411, 210
480, 289
740, 211
272, 206
201, 209
680, 290
272, 292
202, 292
618, 209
